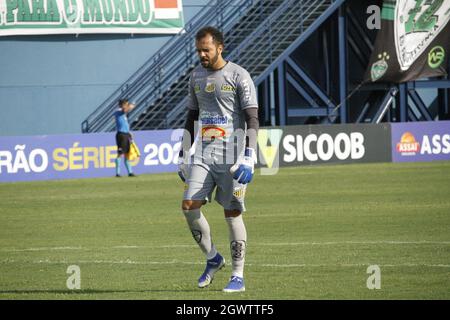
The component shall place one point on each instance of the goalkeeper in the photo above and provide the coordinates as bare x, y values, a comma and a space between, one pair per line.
223, 108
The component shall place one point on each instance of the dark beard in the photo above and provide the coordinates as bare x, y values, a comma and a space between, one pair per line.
213, 61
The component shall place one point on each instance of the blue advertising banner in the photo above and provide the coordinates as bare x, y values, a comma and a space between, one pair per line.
420, 141
83, 155
93, 155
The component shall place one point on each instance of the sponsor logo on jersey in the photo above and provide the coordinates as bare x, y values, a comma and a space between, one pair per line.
214, 120
197, 88
227, 88
208, 118
212, 125
247, 92
408, 146
213, 132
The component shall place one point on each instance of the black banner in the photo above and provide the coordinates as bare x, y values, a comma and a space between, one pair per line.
413, 42
318, 144
237, 308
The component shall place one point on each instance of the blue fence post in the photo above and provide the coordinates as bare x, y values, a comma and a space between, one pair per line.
282, 94
403, 102
342, 26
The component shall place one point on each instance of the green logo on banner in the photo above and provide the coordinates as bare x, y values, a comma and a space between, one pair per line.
380, 67
269, 142
436, 56
417, 23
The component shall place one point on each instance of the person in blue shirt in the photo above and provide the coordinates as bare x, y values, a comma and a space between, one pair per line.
123, 135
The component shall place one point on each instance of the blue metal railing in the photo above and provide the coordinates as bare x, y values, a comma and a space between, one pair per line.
155, 116
258, 52
174, 59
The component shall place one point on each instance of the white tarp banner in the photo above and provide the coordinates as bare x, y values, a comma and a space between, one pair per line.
30, 17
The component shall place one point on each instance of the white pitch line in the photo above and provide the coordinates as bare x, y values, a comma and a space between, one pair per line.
153, 247
271, 244
40, 249
351, 265
266, 265
127, 261
326, 243
94, 248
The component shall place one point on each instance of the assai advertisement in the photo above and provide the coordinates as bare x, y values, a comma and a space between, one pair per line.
421, 141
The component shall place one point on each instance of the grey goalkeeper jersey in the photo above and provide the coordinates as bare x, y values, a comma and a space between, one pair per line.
221, 96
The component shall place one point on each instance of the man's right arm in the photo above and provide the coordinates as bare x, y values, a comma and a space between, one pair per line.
191, 120
189, 130
186, 144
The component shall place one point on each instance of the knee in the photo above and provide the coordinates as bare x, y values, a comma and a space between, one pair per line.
232, 213
191, 205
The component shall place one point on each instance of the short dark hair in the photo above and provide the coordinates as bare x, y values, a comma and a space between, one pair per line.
123, 101
215, 33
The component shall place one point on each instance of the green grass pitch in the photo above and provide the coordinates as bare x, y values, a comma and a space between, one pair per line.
312, 234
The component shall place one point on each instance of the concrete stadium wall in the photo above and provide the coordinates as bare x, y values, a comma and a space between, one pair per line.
50, 84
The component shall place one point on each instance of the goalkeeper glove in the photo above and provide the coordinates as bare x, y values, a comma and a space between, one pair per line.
243, 170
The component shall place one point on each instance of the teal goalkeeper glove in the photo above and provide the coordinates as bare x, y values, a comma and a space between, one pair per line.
243, 170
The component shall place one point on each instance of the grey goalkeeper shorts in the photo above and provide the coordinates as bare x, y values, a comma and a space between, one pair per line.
204, 178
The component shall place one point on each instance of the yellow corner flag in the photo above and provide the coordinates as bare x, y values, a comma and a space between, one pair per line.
134, 152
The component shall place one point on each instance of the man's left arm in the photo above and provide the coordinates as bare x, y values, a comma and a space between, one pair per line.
252, 121
243, 170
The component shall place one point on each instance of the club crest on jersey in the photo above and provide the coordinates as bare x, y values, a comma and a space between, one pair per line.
210, 87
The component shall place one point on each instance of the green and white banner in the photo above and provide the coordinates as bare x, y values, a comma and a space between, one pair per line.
414, 41
31, 17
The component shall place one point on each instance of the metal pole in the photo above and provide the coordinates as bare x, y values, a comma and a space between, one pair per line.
266, 100
272, 100
403, 102
342, 63
282, 95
